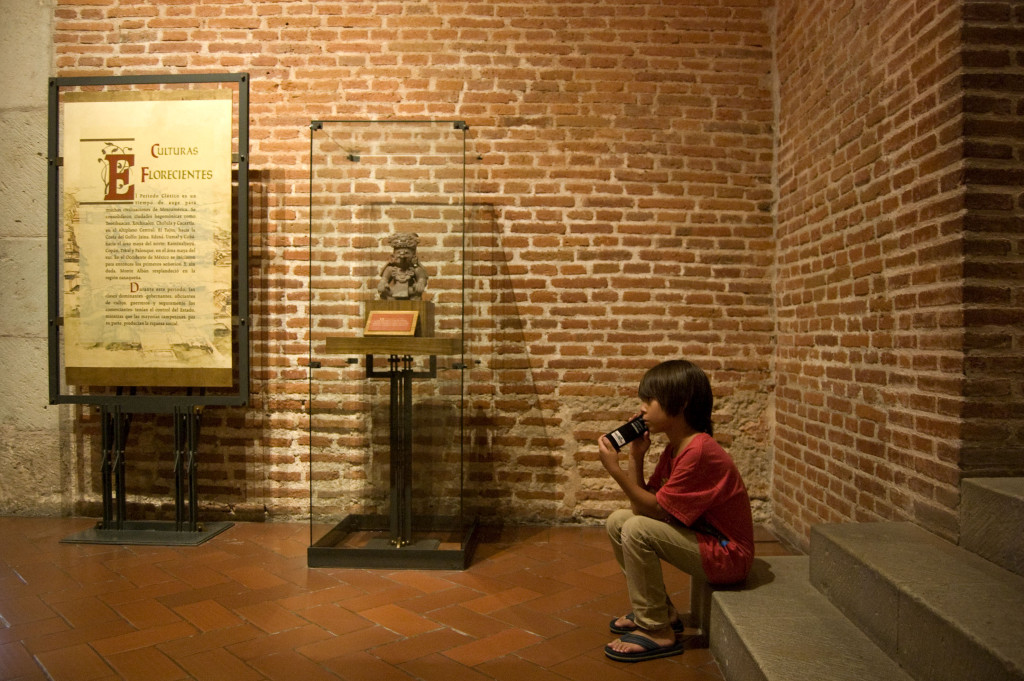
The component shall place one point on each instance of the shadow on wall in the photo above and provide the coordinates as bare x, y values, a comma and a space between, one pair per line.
509, 464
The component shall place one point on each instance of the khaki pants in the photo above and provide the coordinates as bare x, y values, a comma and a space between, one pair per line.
640, 544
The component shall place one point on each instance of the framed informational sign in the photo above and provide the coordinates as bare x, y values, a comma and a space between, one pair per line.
147, 208
148, 235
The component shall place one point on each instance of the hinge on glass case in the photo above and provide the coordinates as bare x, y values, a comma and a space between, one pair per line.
314, 365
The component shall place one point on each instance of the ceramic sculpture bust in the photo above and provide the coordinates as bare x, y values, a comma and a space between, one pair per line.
403, 278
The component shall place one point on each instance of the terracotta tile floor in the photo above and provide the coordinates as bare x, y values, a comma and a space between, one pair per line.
533, 606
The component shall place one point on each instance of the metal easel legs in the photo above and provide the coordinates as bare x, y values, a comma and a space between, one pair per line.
114, 425
186, 443
115, 528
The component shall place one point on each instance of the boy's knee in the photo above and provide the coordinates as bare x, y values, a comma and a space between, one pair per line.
639, 530
634, 528
616, 520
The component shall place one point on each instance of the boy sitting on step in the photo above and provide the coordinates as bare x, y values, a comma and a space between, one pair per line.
693, 512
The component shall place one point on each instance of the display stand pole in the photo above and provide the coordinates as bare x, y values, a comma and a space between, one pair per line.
401, 449
398, 550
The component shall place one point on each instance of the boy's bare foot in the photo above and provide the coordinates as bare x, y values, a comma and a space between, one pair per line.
644, 644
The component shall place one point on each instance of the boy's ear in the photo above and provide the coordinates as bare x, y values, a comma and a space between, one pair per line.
682, 413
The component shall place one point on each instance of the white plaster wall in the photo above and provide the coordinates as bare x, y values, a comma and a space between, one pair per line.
34, 460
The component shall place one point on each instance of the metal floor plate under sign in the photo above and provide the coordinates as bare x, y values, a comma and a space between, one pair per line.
149, 533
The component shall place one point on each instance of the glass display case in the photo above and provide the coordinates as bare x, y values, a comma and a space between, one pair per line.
387, 223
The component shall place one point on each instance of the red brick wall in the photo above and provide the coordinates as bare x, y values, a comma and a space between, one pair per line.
621, 183
993, 430
870, 366
850, 276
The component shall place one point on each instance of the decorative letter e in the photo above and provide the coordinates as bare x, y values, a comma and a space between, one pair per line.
118, 167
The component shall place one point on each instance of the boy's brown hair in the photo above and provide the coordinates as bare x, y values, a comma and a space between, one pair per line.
680, 386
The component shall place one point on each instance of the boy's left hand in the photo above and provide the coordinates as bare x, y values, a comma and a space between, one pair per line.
638, 448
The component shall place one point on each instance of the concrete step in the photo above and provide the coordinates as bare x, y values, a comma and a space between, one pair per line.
779, 628
940, 611
991, 518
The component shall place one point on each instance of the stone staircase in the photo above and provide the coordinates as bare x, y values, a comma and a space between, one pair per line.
886, 601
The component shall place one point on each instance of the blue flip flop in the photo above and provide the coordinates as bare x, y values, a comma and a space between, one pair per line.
651, 650
676, 624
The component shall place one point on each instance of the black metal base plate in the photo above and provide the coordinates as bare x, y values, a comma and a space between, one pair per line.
420, 545
422, 554
150, 533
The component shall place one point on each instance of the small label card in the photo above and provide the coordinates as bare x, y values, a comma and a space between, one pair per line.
391, 323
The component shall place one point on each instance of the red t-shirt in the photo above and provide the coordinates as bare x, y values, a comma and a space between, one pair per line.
702, 482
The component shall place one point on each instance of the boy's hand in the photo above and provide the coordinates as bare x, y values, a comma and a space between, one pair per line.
638, 448
609, 456
630, 478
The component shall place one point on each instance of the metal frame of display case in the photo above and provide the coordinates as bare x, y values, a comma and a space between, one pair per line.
403, 537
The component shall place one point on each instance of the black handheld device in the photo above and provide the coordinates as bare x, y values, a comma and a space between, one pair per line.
627, 432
